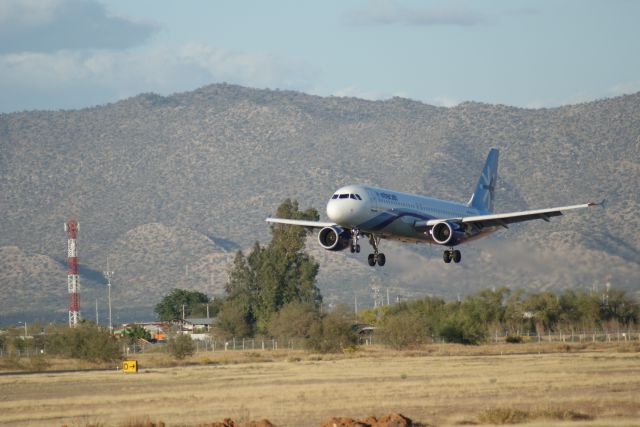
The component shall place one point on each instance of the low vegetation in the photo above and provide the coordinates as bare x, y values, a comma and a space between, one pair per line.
85, 342
437, 384
517, 416
480, 316
181, 346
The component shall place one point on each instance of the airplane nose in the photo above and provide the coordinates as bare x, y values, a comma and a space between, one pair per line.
344, 212
334, 212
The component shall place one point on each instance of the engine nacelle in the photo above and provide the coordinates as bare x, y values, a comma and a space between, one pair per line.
334, 238
446, 233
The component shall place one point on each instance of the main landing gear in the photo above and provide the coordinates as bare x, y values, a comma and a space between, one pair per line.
376, 257
451, 254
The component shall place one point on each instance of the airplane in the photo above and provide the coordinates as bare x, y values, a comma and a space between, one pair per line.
360, 211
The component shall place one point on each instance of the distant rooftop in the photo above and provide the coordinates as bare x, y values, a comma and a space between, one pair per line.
199, 320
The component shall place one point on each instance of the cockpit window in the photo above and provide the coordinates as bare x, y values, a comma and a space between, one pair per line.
346, 196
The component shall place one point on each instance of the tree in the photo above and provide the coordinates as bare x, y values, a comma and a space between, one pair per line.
545, 307
333, 333
237, 317
270, 277
514, 314
294, 320
620, 307
234, 320
135, 332
86, 342
181, 346
404, 329
171, 306
285, 237
462, 325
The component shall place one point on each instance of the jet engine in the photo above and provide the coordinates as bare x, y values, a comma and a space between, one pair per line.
334, 238
446, 233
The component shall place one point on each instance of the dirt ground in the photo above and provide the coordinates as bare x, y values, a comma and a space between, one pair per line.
305, 390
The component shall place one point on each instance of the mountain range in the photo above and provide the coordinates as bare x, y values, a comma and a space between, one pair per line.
169, 187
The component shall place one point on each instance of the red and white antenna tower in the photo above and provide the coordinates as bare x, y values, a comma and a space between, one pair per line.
72, 227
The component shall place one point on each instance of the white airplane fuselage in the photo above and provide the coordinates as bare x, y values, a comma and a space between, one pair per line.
393, 215
361, 211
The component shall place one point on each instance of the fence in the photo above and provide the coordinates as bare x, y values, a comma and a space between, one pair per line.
207, 343
576, 336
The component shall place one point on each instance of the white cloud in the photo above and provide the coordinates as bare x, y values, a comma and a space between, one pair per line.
444, 101
570, 99
388, 12
253, 69
72, 79
49, 26
27, 13
625, 88
355, 92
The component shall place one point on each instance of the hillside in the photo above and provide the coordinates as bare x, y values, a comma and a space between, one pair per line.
169, 187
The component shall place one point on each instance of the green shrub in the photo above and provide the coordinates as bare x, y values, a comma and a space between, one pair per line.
37, 363
514, 339
402, 330
503, 416
86, 342
462, 330
294, 320
333, 333
518, 416
181, 346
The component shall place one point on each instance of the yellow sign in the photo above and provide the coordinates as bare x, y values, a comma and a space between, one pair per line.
130, 366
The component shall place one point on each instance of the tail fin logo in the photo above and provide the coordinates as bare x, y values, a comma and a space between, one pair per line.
489, 196
484, 195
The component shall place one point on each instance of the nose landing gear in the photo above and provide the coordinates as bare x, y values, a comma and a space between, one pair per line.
451, 254
355, 235
376, 257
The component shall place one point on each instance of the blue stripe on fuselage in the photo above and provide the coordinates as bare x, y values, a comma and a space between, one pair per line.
385, 218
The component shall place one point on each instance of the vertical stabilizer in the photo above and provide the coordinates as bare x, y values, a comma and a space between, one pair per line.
482, 198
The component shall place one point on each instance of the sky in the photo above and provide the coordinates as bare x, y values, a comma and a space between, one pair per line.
67, 54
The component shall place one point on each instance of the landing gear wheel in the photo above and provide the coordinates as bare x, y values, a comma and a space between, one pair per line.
372, 260
446, 256
357, 248
352, 248
376, 257
457, 256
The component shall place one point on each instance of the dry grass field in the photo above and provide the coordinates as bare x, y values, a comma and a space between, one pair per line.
436, 385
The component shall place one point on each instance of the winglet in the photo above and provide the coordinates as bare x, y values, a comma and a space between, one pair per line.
603, 203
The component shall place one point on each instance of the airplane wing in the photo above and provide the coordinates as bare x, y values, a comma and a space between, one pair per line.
301, 222
504, 219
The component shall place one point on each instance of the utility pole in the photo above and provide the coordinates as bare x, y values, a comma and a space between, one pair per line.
72, 227
355, 297
108, 275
